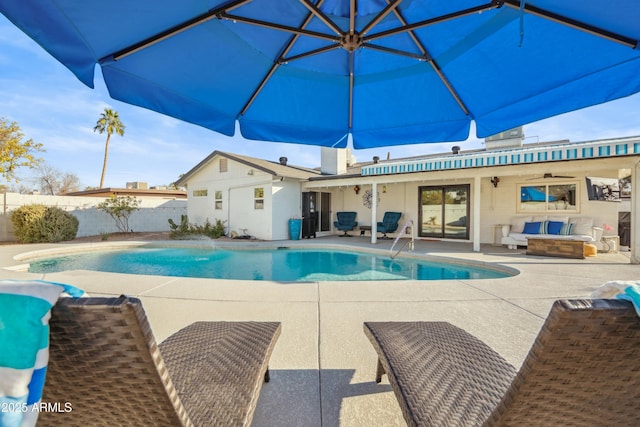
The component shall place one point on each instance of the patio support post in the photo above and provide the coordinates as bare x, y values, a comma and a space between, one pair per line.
635, 218
476, 213
374, 212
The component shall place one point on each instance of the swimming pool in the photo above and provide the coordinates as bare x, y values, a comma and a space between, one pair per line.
277, 264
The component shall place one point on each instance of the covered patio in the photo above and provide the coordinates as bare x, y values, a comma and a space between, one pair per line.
492, 182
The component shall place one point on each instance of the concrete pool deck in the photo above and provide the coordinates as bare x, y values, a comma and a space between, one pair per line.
323, 367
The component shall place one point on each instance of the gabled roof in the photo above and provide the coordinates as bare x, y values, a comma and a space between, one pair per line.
267, 166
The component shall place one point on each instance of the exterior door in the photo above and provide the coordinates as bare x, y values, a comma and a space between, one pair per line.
325, 212
444, 211
316, 213
309, 214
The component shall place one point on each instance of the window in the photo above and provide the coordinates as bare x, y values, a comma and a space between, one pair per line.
199, 193
548, 197
218, 200
223, 165
258, 198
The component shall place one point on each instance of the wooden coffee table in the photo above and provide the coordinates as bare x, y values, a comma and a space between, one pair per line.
565, 248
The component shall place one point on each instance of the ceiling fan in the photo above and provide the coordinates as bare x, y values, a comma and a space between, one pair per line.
550, 175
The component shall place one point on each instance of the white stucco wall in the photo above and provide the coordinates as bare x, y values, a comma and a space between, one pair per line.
499, 205
237, 184
286, 203
153, 215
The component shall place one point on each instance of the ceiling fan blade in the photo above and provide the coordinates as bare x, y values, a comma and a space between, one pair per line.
550, 175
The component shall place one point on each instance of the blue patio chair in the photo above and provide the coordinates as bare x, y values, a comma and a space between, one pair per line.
389, 223
346, 222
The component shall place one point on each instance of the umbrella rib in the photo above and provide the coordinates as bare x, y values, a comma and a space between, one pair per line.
427, 56
449, 16
322, 17
353, 11
390, 7
277, 63
329, 48
396, 51
351, 82
177, 29
275, 26
600, 32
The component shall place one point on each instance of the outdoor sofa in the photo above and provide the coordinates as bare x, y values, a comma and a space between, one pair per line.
104, 363
583, 370
556, 227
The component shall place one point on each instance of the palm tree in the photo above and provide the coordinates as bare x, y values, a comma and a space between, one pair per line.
108, 122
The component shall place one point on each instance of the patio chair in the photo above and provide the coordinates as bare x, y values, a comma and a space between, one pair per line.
105, 364
583, 369
389, 223
346, 221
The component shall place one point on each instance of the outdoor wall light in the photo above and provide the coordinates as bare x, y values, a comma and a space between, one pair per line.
495, 180
356, 189
384, 188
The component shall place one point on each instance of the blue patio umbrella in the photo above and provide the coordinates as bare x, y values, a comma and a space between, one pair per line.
388, 72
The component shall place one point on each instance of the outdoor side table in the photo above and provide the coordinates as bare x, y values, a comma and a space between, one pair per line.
503, 233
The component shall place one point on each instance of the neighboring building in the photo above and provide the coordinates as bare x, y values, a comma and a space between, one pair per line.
131, 191
462, 195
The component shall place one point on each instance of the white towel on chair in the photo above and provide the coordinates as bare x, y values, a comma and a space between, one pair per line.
627, 290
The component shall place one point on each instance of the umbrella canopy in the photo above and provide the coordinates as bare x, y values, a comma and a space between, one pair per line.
388, 72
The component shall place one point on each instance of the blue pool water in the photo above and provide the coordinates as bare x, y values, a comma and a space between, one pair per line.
282, 264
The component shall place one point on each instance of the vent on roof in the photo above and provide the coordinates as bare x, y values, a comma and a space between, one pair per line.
283, 161
376, 159
506, 139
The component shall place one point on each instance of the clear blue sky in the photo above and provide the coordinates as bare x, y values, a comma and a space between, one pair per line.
53, 108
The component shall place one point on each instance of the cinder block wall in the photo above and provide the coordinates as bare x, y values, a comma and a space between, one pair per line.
153, 215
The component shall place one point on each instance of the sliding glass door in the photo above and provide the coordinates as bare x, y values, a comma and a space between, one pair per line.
444, 211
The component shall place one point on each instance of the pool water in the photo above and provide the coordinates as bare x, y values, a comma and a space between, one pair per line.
282, 265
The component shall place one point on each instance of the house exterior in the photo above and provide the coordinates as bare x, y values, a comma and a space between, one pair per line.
250, 195
462, 195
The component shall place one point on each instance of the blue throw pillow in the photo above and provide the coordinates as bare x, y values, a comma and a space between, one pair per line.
531, 228
554, 227
24, 339
566, 229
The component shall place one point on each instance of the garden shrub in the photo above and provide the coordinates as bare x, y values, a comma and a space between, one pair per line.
43, 224
120, 208
185, 230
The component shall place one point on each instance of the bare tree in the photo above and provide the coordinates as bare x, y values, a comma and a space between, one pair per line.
54, 182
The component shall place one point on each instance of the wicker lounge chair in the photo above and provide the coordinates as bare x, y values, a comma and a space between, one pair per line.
583, 370
104, 363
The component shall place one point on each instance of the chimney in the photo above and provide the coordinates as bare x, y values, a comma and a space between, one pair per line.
334, 161
376, 159
455, 149
283, 161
